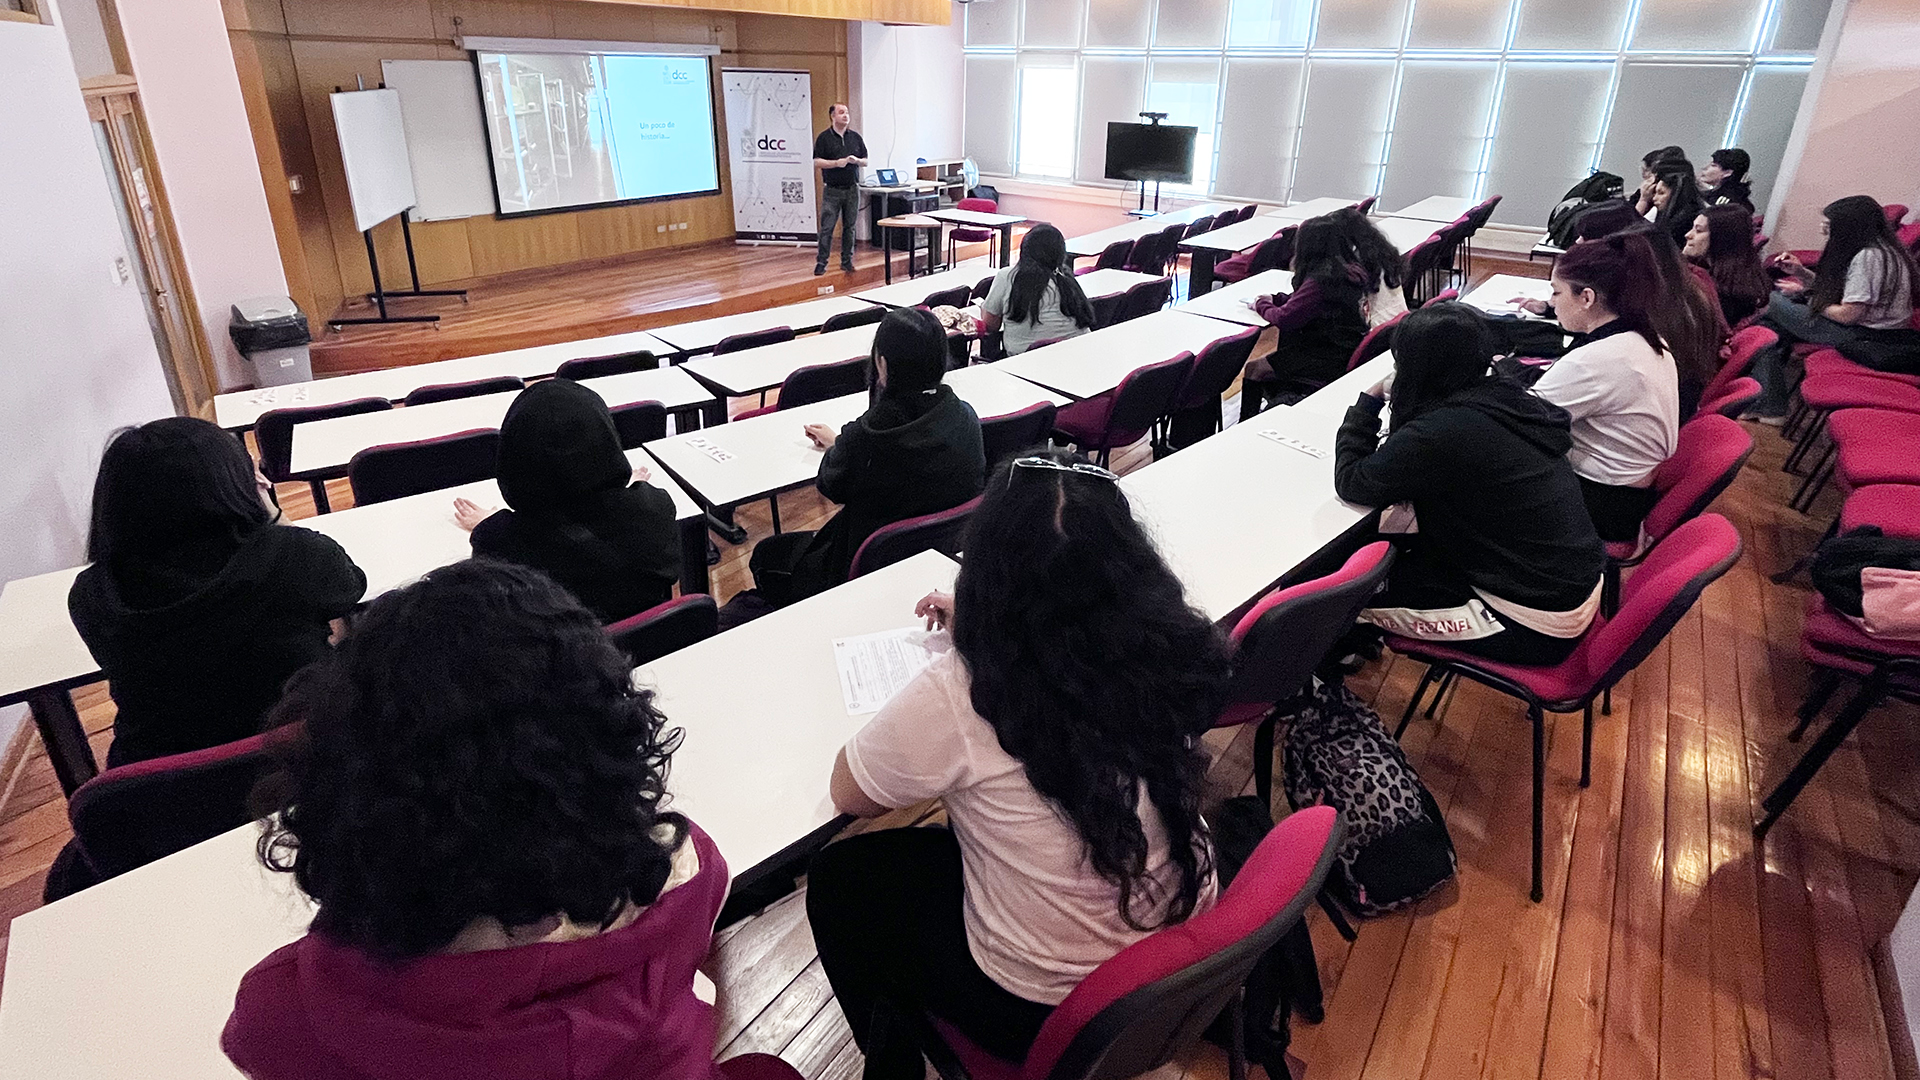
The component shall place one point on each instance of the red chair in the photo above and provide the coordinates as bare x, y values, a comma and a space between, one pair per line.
1833, 362
1365, 206
1896, 213
1710, 453
1885, 667
128, 816
958, 296
1826, 392
1273, 253
1247, 212
1442, 297
499, 384
753, 340
396, 470
1108, 310
639, 423
1674, 575
273, 435
1895, 508
1113, 257
847, 320
1004, 436
758, 1067
1909, 235
1196, 227
1145, 299
903, 540
1869, 446
962, 234
1735, 399
1129, 412
1740, 350
1151, 1002
665, 628
1427, 259
1196, 409
815, 382
1284, 638
599, 367
1378, 340
1148, 251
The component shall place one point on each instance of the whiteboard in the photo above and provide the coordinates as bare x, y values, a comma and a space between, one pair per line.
373, 147
440, 104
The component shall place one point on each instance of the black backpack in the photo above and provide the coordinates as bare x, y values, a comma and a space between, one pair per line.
1601, 187
1338, 754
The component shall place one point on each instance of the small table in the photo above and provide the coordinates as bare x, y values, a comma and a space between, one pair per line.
1444, 209
1092, 364
1231, 303
1405, 233
914, 291
912, 223
1495, 295
981, 219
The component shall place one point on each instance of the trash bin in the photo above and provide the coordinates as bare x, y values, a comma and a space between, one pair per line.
271, 332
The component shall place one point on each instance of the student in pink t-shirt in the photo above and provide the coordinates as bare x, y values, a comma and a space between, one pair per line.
1062, 732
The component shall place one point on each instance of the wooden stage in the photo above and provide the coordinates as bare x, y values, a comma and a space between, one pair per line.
590, 299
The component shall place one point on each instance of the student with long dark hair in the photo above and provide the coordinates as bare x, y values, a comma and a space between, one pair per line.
1061, 731
1676, 199
579, 510
1379, 260
1037, 298
1505, 563
1650, 164
916, 450
476, 804
198, 605
1723, 182
1721, 241
1863, 283
1321, 322
1684, 311
1620, 387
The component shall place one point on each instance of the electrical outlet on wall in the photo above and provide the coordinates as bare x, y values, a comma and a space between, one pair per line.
122, 270
659, 228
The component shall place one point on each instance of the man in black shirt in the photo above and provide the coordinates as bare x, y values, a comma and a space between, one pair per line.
838, 153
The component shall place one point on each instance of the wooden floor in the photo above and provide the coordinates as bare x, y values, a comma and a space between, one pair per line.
1667, 946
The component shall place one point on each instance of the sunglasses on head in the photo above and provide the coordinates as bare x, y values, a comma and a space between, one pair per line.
1080, 467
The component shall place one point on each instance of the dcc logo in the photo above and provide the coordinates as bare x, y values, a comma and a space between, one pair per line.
768, 142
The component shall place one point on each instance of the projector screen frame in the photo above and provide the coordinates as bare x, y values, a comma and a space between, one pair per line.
570, 47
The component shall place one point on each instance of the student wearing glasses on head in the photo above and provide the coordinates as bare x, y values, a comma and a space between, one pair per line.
1061, 729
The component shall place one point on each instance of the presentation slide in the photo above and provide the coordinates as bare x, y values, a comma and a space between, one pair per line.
587, 129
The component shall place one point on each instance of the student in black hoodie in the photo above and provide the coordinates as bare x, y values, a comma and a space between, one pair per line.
916, 450
580, 511
1505, 562
198, 605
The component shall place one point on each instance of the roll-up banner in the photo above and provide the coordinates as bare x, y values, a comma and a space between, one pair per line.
770, 148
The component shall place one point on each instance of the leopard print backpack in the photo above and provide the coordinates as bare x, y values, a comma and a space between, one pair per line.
1338, 754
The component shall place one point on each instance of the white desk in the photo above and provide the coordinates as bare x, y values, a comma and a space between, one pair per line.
1405, 233
1311, 208
135, 977
1230, 303
751, 371
699, 337
1444, 209
1100, 284
1337, 396
1210, 247
238, 410
916, 290
324, 447
41, 658
771, 452
982, 220
1092, 364
1495, 295
1094, 243
1237, 512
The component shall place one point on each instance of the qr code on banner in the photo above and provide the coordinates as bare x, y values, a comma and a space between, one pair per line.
792, 193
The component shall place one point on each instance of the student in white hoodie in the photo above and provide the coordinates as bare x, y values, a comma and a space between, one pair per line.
1620, 386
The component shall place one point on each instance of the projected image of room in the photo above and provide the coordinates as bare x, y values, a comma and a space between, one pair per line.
570, 129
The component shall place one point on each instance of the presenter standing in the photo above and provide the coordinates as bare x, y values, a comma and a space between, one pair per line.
838, 153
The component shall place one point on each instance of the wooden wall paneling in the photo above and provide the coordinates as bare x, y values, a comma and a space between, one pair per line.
288, 111
502, 244
922, 12
494, 18
361, 20
629, 22
273, 171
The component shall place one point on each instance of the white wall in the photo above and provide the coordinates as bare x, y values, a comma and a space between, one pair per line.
907, 84
191, 96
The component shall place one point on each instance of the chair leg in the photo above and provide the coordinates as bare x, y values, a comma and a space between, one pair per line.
1610, 589
319, 489
1440, 692
773, 504
1815, 483
1263, 760
1825, 681
1413, 703
1806, 442
1237, 1036
1337, 917
1539, 721
1586, 746
1836, 732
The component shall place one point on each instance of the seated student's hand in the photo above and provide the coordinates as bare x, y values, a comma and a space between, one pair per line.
1536, 307
469, 514
937, 608
1792, 286
821, 436
641, 474
1379, 391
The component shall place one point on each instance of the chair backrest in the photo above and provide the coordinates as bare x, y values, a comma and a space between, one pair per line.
1442, 297
273, 431
1377, 340
639, 422
1365, 206
131, 815
958, 296
1675, 573
1742, 347
1426, 257
1144, 396
1274, 253
901, 540
1215, 368
1738, 396
1285, 636
823, 382
1706, 458
1114, 256
847, 320
1002, 436
499, 384
396, 470
1147, 298
982, 287
1478, 217
1247, 211
753, 340
1151, 1002
984, 206
1896, 213
1149, 255
599, 367
665, 628
1108, 310
1197, 226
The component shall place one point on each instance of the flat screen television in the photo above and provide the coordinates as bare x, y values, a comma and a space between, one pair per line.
1150, 152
